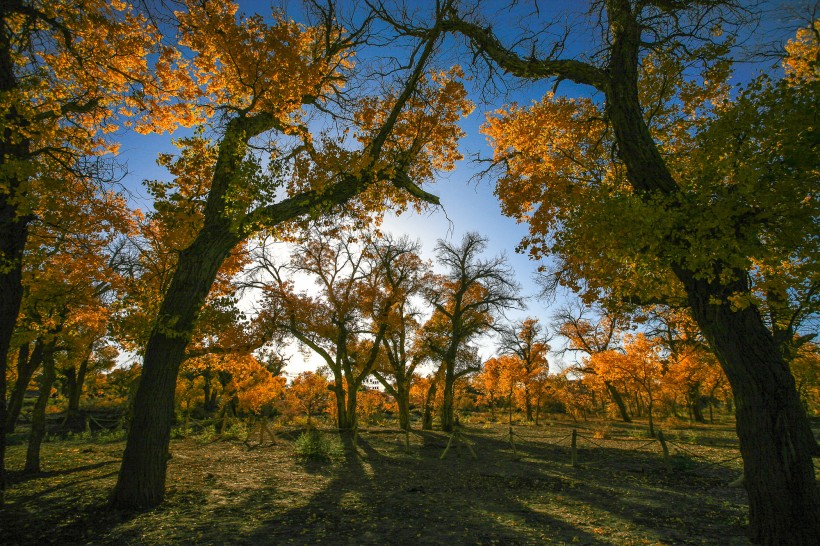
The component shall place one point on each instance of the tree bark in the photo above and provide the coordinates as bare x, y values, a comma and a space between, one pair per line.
448, 406
403, 402
141, 481
38, 416
75, 419
26, 367
775, 437
619, 401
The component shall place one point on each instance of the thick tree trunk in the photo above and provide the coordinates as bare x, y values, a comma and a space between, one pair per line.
775, 437
141, 481
25, 371
351, 407
619, 401
38, 416
341, 403
403, 402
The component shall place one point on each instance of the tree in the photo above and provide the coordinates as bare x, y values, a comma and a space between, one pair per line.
308, 393
528, 342
344, 323
66, 67
689, 197
257, 80
402, 277
466, 301
592, 338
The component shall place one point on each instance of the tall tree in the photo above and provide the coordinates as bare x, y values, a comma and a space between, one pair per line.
258, 80
344, 322
65, 68
467, 299
402, 277
692, 197
527, 341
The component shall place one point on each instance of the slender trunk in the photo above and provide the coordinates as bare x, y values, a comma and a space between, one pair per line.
25, 371
75, 420
528, 404
448, 406
76, 393
429, 402
341, 403
775, 437
38, 417
141, 481
651, 419
619, 401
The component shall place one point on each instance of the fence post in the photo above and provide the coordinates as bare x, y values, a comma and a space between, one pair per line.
574, 449
665, 449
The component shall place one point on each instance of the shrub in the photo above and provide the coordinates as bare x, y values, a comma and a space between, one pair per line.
317, 446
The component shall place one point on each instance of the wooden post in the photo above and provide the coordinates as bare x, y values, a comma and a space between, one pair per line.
574, 448
665, 449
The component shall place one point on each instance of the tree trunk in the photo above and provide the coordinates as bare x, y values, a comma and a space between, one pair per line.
351, 409
75, 420
448, 406
141, 481
38, 416
619, 401
694, 399
341, 404
775, 437
403, 402
16, 167
25, 371
528, 404
429, 402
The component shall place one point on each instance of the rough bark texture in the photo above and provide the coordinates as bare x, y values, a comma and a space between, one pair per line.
141, 480
38, 416
775, 438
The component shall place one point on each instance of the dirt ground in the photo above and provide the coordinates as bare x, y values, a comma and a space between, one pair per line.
230, 492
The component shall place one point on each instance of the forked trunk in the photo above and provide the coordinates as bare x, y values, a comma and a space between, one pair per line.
38, 416
25, 371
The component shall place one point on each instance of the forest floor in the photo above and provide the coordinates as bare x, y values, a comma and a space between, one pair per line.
233, 492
